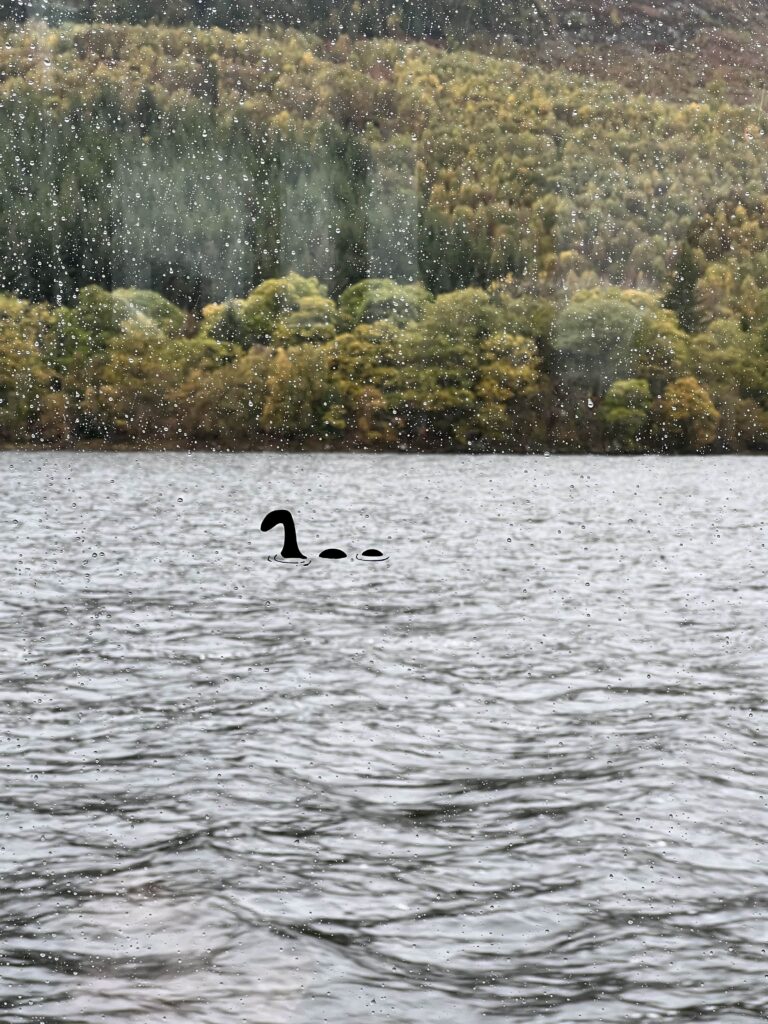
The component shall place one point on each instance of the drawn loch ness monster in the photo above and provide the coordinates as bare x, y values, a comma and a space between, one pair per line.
291, 550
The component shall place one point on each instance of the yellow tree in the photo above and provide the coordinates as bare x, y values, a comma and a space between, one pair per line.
688, 415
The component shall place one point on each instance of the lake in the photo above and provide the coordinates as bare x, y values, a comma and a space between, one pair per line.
516, 771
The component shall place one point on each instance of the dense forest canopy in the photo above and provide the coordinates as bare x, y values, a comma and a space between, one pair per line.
674, 49
280, 237
198, 163
425, 18
653, 25
387, 366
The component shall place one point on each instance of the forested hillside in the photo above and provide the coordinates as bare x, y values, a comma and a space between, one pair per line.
671, 49
201, 165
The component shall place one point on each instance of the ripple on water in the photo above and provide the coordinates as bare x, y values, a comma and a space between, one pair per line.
517, 778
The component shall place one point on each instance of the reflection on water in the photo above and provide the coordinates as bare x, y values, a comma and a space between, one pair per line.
527, 783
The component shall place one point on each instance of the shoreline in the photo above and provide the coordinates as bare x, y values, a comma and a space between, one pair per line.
148, 449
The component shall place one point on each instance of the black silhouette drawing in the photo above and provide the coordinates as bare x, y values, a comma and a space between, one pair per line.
282, 517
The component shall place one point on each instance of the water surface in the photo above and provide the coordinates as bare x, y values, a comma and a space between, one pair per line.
518, 771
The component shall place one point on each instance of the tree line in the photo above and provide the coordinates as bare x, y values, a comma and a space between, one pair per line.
386, 366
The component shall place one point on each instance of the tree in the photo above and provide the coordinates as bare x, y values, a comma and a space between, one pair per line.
681, 297
366, 376
440, 359
122, 397
224, 403
25, 382
688, 415
507, 394
604, 335
314, 320
278, 308
149, 308
625, 412
299, 394
382, 299
716, 294
729, 360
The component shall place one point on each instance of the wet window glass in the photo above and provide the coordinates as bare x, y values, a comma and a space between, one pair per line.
382, 617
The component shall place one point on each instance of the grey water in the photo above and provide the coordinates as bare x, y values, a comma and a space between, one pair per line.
518, 771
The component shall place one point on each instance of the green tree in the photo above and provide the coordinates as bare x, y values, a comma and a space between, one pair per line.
508, 394
122, 397
440, 359
681, 297
728, 359
367, 373
223, 403
625, 414
299, 395
284, 309
604, 335
380, 299
26, 411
